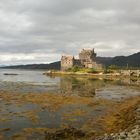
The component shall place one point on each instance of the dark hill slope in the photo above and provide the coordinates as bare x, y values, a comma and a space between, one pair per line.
55, 65
131, 60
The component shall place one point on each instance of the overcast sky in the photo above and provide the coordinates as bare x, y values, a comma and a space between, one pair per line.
40, 31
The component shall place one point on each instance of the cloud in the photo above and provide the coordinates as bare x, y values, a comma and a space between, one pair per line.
33, 31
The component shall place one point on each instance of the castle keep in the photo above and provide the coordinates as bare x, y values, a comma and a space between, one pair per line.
87, 59
67, 62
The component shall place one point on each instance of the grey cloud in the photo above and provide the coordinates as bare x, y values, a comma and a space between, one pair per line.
64, 26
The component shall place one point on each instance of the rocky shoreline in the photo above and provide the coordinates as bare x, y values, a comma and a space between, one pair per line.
130, 80
127, 134
132, 132
121, 122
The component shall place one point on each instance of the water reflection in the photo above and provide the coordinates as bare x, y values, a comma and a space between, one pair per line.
84, 87
91, 87
87, 87
130, 81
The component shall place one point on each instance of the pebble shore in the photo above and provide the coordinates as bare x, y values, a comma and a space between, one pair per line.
133, 134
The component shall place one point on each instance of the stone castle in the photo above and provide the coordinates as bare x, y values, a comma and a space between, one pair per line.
87, 59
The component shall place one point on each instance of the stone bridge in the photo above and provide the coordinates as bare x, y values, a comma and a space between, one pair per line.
135, 73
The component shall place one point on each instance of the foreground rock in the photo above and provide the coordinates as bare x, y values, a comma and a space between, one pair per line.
134, 134
74, 134
66, 133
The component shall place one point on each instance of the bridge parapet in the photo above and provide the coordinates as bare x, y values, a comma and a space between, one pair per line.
125, 72
130, 73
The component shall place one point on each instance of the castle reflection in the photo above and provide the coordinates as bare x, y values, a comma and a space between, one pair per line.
79, 86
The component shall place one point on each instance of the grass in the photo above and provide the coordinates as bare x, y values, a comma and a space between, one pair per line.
122, 117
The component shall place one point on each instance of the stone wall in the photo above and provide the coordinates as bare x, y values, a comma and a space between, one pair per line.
130, 73
67, 62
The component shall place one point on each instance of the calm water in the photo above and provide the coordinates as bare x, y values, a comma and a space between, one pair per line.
35, 82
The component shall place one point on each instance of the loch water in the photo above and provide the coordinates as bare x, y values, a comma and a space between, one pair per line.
24, 82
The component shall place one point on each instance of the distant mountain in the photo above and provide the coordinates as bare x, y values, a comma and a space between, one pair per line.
54, 65
122, 61
103, 60
131, 60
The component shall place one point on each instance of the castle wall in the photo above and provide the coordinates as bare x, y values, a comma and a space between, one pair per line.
67, 62
93, 65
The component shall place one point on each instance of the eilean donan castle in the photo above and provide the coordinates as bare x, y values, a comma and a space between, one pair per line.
87, 59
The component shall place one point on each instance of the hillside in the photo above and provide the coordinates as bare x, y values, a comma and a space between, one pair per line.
131, 60
103, 60
54, 65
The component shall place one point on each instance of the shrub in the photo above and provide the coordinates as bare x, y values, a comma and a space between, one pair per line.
92, 70
108, 71
113, 67
75, 69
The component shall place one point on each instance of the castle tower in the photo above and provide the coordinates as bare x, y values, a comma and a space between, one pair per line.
87, 55
67, 62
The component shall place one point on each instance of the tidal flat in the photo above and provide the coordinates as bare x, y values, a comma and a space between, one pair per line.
37, 107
